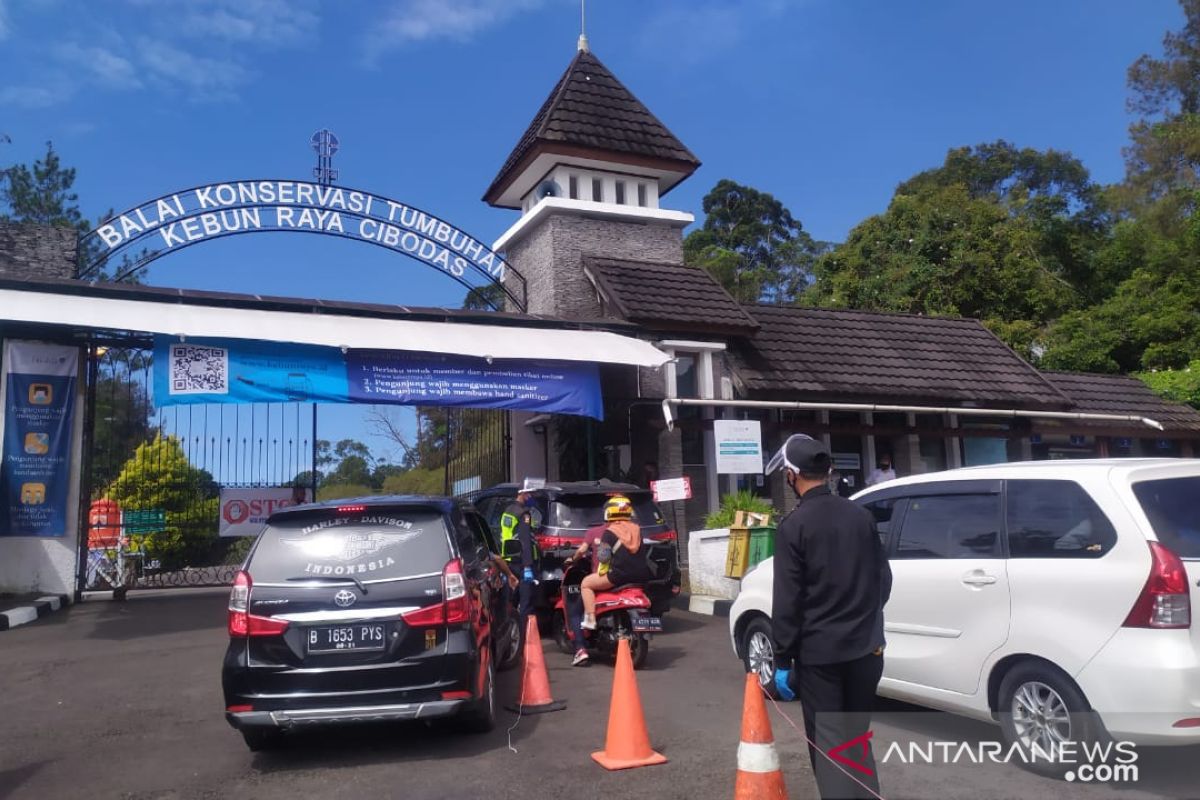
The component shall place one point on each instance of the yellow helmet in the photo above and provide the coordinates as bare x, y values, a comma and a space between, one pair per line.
618, 507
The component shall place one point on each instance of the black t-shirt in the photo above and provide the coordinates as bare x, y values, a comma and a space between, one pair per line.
832, 580
629, 567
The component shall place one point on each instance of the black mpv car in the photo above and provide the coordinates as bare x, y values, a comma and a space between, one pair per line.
384, 608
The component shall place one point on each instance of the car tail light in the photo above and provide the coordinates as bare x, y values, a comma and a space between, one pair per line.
239, 709
458, 604
665, 536
241, 622
456, 695
455, 608
556, 542
351, 509
1190, 722
1165, 601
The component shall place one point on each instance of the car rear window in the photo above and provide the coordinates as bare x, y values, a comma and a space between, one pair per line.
1173, 507
580, 512
372, 545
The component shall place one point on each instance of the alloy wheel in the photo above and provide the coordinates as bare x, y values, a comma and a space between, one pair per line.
1040, 717
760, 653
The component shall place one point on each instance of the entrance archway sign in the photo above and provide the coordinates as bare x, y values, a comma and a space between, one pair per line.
179, 220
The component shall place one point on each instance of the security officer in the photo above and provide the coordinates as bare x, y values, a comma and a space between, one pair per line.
832, 580
516, 525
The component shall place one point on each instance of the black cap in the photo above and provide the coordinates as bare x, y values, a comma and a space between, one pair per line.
801, 453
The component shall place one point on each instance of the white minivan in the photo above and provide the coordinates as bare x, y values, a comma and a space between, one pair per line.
1026, 593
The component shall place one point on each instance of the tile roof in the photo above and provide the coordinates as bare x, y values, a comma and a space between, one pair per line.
670, 296
1123, 394
590, 108
881, 357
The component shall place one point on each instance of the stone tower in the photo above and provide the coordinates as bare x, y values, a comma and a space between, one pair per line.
588, 177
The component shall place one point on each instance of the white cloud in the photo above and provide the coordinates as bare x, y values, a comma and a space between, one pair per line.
32, 96
205, 78
267, 22
699, 30
412, 21
106, 66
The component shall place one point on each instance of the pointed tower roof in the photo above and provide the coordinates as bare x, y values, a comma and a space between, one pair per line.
591, 117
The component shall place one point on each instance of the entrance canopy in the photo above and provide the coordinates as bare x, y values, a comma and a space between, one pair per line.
193, 315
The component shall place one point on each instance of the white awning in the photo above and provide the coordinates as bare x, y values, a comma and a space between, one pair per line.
196, 321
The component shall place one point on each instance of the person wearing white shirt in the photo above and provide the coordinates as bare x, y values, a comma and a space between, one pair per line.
882, 472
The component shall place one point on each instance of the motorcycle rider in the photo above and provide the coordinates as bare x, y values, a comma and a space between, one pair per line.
516, 525
619, 557
591, 542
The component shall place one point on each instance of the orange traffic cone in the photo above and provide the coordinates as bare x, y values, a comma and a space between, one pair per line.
535, 685
627, 743
758, 773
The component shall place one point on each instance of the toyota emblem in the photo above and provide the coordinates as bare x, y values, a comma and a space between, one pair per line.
345, 598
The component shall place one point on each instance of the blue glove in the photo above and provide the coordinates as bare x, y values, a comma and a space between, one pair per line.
527, 575
781, 684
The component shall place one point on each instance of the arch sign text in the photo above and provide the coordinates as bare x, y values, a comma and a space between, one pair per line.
175, 221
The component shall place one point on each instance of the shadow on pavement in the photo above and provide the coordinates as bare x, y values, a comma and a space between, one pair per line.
11, 779
163, 613
677, 622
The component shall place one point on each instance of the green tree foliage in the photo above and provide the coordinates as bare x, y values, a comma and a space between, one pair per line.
1163, 158
43, 194
344, 491
752, 245
1179, 385
158, 476
485, 298
416, 480
998, 233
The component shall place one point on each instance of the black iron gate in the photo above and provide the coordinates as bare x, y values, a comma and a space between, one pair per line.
153, 477
477, 449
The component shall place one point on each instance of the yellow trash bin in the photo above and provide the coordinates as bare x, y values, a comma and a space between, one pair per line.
737, 558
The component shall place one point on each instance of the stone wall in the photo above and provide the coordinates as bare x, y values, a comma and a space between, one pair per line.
30, 251
550, 258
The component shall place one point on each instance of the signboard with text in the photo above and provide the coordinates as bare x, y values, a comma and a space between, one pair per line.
244, 512
671, 489
230, 371
738, 445
39, 409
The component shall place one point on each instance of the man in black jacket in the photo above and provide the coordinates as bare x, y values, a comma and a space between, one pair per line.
832, 580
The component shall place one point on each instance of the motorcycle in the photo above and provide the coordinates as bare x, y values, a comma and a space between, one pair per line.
622, 612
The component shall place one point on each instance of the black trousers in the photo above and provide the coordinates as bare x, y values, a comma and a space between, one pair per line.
838, 700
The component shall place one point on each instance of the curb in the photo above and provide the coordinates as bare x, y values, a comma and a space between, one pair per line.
39, 608
704, 604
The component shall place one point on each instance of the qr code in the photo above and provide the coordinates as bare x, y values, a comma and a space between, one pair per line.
199, 370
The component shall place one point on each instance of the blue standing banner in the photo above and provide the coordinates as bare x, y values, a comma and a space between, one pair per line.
235, 371
39, 412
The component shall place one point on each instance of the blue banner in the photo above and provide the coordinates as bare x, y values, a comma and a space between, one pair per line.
231, 371
39, 410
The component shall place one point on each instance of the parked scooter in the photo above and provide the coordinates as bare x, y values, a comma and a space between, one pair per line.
623, 611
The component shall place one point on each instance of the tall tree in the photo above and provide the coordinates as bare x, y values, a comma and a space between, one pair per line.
1162, 160
752, 245
42, 193
1002, 234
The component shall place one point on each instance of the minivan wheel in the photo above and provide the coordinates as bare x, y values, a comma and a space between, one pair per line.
1040, 710
758, 650
259, 740
481, 717
509, 645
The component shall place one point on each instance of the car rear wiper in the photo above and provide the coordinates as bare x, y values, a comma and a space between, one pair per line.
336, 578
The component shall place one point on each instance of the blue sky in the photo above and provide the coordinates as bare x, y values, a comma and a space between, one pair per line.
827, 104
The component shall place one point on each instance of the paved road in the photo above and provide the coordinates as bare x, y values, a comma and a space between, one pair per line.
122, 700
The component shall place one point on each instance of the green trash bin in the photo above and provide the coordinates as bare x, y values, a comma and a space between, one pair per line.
762, 544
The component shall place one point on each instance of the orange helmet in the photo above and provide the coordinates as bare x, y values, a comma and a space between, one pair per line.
618, 507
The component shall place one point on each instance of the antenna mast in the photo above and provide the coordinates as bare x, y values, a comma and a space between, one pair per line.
583, 40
